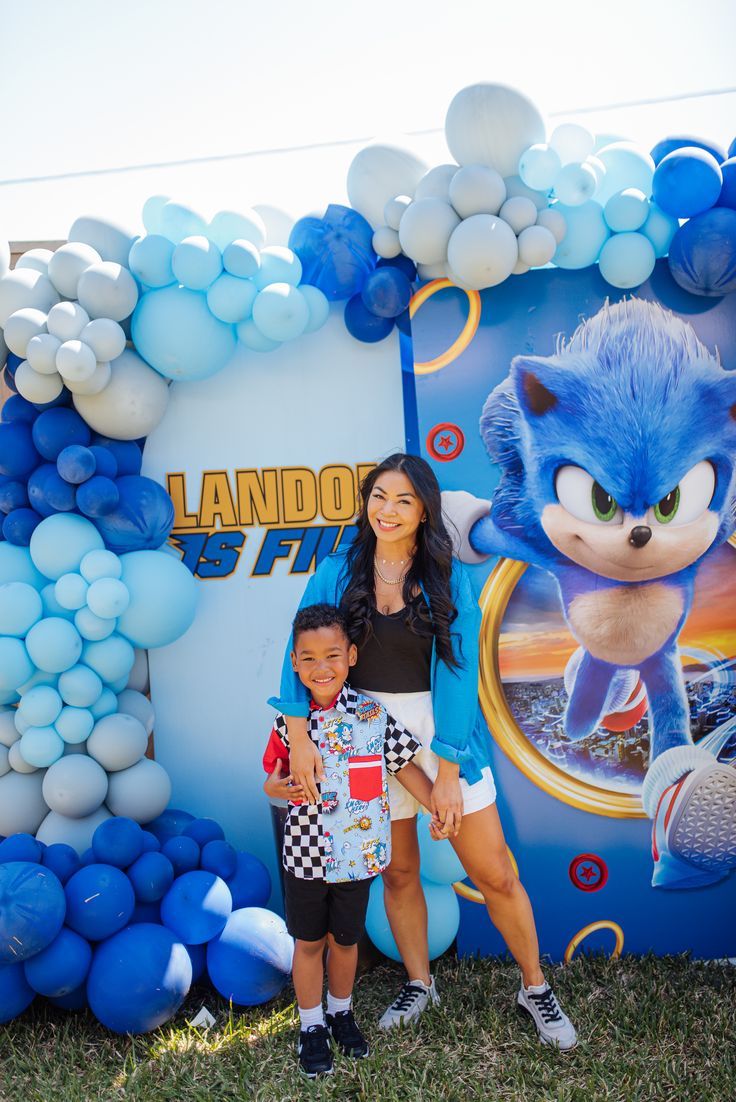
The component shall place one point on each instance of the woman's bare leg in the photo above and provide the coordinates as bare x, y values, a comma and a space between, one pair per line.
405, 904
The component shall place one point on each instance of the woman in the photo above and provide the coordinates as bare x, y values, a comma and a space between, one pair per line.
416, 623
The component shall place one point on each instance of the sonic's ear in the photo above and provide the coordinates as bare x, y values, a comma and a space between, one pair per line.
532, 383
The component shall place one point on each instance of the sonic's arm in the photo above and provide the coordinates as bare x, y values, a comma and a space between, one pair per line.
476, 535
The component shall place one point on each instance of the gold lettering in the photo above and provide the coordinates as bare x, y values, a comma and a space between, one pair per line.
217, 501
298, 494
337, 493
258, 498
177, 487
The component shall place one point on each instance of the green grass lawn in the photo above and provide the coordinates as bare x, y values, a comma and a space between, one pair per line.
660, 1029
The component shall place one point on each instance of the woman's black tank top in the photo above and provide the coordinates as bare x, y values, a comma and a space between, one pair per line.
395, 659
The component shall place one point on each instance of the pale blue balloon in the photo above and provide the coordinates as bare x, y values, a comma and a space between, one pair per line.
80, 686
16, 565
280, 311
92, 627
163, 599
177, 221
443, 919
105, 705
586, 233
228, 226
41, 746
40, 677
539, 166
250, 335
21, 724
660, 228
278, 265
231, 299
20, 608
627, 260
40, 706
74, 725
175, 332
438, 860
241, 258
197, 263
626, 166
627, 210
110, 658
7, 697
100, 564
575, 184
61, 541
51, 606
150, 260
108, 598
318, 305
119, 684
152, 209
71, 591
54, 645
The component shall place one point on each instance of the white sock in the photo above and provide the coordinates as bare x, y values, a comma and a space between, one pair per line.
536, 989
421, 983
314, 1016
338, 1006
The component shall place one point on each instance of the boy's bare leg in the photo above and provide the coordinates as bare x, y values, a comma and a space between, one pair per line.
307, 972
342, 962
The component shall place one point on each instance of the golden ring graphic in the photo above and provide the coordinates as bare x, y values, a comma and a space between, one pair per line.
591, 928
468, 332
473, 894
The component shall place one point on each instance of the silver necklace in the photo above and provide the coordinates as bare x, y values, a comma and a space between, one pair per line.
388, 581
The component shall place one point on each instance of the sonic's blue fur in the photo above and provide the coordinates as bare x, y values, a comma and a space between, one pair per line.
636, 400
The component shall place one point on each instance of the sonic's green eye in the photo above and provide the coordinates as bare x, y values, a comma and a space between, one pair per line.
604, 506
666, 509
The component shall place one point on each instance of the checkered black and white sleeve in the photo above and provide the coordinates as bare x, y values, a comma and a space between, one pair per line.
399, 745
304, 846
279, 726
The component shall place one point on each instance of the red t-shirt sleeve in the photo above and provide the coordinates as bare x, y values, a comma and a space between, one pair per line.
276, 751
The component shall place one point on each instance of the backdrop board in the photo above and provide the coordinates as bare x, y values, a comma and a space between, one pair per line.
571, 807
262, 462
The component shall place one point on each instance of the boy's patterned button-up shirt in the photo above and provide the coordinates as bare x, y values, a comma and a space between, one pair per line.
347, 835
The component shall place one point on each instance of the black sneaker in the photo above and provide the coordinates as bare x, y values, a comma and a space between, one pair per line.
315, 1052
348, 1037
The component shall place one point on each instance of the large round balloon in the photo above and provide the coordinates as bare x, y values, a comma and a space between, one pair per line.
75, 786
133, 402
62, 966
336, 251
140, 792
702, 255
139, 978
99, 901
32, 907
584, 237
687, 182
492, 124
77, 833
143, 518
379, 173
163, 598
439, 862
251, 959
250, 884
443, 914
15, 992
482, 251
197, 906
22, 806
18, 455
175, 332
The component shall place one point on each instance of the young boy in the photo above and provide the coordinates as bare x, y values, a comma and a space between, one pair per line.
333, 849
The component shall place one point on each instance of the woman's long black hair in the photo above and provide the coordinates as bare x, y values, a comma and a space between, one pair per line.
432, 563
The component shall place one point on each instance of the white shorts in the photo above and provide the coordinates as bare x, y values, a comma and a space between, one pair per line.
414, 710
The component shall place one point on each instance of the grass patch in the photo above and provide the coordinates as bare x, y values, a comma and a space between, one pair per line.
659, 1029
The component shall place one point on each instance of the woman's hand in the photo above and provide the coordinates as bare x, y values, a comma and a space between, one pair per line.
282, 788
447, 799
305, 760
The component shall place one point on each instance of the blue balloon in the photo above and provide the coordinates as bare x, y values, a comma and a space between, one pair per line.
627, 260
99, 901
203, 831
80, 686
363, 325
57, 428
15, 664
727, 197
71, 591
62, 966
318, 306
75, 1000
151, 876
31, 910
19, 526
197, 906
37, 484
139, 978
231, 299
110, 658
16, 994
63, 860
197, 262
39, 706
280, 312
687, 182
146, 912
105, 705
41, 746
241, 258
105, 462
169, 823
438, 860
278, 265
151, 843
386, 292
20, 608
18, 454
250, 884
250, 335
118, 841
92, 627
404, 264
403, 323
20, 847
60, 543
142, 519
198, 957
669, 145
250, 961
443, 913
98, 497
163, 598
175, 332
13, 495
17, 408
660, 228
336, 251
16, 565
177, 221
150, 260
219, 857
182, 852
626, 211
126, 453
586, 234
76, 463
702, 255
54, 645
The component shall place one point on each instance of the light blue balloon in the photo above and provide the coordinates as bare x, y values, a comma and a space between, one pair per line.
586, 233
21, 724
54, 645
197, 263
61, 541
40, 706
20, 608
241, 258
51, 606
71, 591
41, 746
318, 305
627, 210
74, 725
178, 221
92, 627
108, 598
110, 658
228, 226
40, 677
100, 564
119, 684
150, 260
660, 228
626, 166
278, 265
7, 696
627, 260
80, 686
575, 184
438, 860
152, 209
163, 599
231, 299
175, 332
280, 311
16, 565
539, 166
250, 335
105, 705
443, 919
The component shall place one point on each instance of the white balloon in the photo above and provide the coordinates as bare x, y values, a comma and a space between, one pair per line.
394, 210
67, 264
138, 676
111, 240
41, 353
379, 173
277, 224
96, 382
22, 806
132, 703
516, 186
553, 221
75, 786
4, 763
425, 230
571, 142
75, 361
105, 337
17, 762
107, 290
141, 792
427, 272
537, 246
76, 833
37, 259
477, 189
35, 387
131, 405
67, 320
519, 213
483, 251
520, 268
21, 327
117, 741
492, 124
8, 731
386, 242
435, 184
25, 287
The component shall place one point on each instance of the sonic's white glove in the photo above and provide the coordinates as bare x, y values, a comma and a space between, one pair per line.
460, 511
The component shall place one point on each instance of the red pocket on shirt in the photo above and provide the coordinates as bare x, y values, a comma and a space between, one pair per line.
365, 774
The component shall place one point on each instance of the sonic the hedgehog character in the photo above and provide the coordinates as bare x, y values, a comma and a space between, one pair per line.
618, 475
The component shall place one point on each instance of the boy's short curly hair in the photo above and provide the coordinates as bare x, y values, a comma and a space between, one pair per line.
314, 617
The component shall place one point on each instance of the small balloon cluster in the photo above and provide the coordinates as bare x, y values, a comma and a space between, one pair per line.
207, 286
129, 926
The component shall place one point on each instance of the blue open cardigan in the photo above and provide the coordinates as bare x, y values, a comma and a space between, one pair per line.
461, 735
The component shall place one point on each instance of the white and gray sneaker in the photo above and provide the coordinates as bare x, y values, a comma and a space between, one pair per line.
552, 1023
409, 1004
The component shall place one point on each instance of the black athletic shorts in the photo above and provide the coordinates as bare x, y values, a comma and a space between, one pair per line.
315, 908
